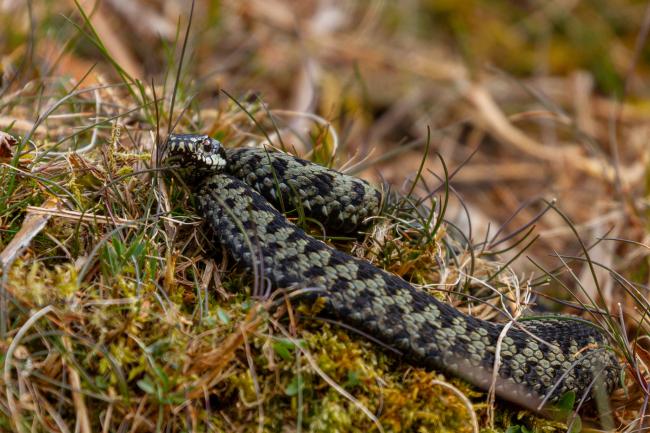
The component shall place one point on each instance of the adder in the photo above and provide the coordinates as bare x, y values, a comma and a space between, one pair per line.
238, 193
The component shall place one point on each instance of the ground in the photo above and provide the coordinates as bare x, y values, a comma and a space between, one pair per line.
511, 142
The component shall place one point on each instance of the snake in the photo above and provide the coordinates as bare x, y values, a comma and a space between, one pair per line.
241, 194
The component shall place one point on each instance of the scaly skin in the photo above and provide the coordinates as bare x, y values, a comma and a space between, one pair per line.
564, 354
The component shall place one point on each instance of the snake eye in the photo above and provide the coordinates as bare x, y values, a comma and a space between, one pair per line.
207, 145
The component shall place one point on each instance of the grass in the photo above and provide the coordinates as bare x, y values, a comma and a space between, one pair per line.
118, 313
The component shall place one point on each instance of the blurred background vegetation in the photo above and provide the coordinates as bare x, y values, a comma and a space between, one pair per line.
553, 94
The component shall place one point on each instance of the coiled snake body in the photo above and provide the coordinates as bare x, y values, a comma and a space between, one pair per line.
539, 360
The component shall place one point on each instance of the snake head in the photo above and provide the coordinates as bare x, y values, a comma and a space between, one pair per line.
193, 155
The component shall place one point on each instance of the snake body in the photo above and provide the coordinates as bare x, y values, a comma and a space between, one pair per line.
239, 192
